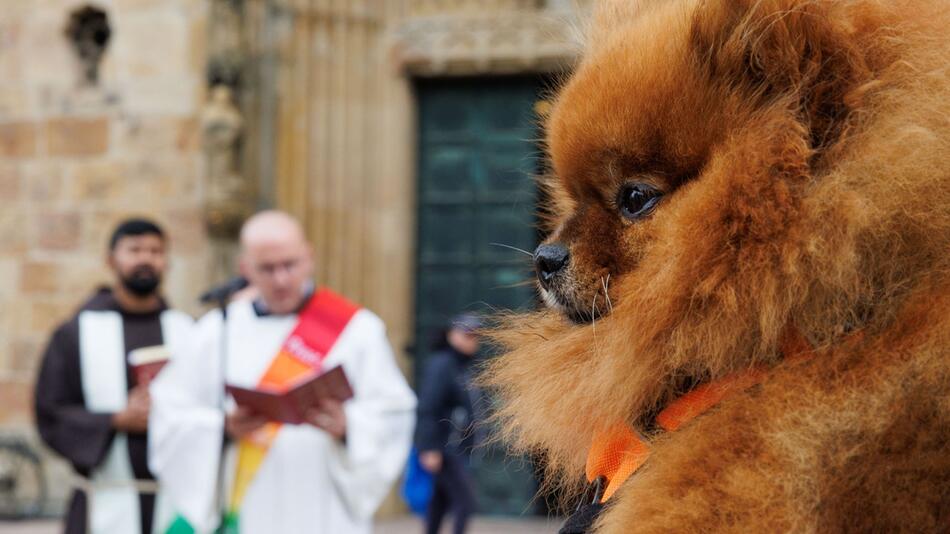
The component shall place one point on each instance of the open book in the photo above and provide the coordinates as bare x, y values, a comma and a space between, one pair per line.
290, 406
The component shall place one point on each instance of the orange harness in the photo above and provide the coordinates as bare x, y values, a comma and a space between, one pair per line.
615, 455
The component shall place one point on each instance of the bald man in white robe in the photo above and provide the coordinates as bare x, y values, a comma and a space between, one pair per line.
327, 475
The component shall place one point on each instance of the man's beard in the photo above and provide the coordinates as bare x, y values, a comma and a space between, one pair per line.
142, 281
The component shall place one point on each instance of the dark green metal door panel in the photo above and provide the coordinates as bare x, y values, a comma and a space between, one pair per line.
477, 157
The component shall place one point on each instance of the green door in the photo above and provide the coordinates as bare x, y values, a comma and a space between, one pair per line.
477, 198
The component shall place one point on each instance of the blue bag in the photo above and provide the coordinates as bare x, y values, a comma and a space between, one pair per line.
417, 486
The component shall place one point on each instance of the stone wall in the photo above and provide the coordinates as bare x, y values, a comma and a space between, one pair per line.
76, 157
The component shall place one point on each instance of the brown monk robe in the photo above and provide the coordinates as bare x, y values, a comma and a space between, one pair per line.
89, 405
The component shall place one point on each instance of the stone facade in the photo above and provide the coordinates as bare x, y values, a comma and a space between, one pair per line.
76, 157
326, 130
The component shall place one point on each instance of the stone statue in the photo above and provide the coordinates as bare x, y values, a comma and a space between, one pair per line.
230, 197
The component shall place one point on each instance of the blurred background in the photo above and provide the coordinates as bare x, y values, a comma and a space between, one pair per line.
403, 133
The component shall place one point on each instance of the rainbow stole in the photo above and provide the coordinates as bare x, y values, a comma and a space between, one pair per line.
301, 355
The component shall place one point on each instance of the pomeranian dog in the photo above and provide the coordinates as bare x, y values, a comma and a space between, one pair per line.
749, 197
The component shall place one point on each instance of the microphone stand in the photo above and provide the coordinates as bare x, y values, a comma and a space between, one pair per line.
223, 299
221, 296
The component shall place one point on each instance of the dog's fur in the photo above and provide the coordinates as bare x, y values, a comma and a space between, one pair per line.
803, 152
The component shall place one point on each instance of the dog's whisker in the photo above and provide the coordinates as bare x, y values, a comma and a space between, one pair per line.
521, 250
523, 283
593, 315
610, 306
490, 306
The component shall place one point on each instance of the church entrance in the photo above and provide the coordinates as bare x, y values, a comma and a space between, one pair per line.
476, 205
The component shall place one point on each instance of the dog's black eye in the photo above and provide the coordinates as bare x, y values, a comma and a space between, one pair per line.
637, 200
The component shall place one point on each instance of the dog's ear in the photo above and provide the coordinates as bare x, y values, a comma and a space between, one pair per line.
805, 50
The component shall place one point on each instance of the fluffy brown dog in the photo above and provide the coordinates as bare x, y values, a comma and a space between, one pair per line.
725, 173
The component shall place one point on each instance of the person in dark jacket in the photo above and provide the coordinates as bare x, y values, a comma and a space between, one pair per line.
445, 431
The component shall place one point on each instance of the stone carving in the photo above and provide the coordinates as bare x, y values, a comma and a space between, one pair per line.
517, 41
429, 7
89, 32
230, 197
226, 55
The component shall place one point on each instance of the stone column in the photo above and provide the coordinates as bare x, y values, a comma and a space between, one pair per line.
343, 147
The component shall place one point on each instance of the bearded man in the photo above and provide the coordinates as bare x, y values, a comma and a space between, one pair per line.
90, 405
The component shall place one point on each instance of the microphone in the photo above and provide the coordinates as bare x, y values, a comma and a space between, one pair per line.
221, 292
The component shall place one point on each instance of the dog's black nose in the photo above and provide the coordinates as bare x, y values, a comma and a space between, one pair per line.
549, 260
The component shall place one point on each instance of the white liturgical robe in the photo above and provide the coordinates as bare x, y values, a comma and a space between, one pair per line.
309, 482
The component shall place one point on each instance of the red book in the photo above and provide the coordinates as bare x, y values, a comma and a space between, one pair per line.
146, 362
290, 406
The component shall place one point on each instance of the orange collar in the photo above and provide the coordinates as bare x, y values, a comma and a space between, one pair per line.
616, 454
